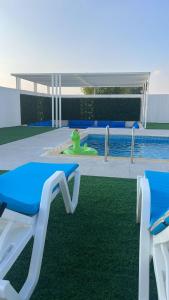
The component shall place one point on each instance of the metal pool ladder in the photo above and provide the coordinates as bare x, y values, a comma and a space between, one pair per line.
106, 145
132, 145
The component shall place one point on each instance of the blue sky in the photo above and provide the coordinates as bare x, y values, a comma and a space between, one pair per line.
85, 36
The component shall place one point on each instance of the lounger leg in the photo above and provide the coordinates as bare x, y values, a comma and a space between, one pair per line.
165, 252
76, 188
161, 268
145, 244
160, 271
7, 292
70, 204
37, 255
144, 265
138, 204
41, 227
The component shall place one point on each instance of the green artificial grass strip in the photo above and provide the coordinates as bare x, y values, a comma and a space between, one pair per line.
11, 134
158, 126
93, 254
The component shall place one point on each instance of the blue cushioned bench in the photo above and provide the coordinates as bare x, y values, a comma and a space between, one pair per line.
103, 123
83, 124
41, 123
117, 124
21, 188
112, 124
159, 189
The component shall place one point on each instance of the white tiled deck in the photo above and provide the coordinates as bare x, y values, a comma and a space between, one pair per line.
32, 149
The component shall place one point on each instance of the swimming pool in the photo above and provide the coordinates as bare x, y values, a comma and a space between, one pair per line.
120, 145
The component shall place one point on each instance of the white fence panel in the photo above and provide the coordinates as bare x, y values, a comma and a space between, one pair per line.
158, 108
10, 114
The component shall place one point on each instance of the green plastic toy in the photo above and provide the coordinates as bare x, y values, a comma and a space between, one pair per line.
76, 149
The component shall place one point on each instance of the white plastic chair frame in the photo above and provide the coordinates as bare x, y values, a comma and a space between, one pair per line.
17, 229
154, 247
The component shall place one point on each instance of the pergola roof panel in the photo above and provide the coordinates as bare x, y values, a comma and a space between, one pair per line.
132, 79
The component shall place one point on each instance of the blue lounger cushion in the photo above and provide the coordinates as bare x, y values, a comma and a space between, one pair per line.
159, 189
21, 188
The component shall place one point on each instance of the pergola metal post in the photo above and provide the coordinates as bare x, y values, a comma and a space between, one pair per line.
48, 90
141, 109
143, 105
52, 81
143, 112
56, 101
60, 103
18, 83
146, 104
35, 87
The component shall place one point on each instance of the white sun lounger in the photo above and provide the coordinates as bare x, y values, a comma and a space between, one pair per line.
153, 215
26, 194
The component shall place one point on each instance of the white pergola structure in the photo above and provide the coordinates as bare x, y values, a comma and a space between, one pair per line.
56, 81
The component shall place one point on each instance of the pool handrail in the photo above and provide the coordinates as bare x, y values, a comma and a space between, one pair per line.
132, 145
106, 147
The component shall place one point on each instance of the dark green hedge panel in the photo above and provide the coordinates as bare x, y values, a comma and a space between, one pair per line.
126, 109
35, 108
70, 109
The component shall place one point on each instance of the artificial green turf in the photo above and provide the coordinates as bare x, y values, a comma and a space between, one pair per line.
158, 126
11, 134
93, 254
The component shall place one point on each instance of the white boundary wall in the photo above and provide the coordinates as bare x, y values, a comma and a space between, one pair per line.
158, 108
10, 114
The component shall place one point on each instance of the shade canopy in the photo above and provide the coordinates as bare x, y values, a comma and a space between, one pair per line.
77, 80
131, 79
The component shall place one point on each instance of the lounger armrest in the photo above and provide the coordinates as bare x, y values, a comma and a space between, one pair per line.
59, 178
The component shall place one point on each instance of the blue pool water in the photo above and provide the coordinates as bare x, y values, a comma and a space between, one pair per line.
120, 145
